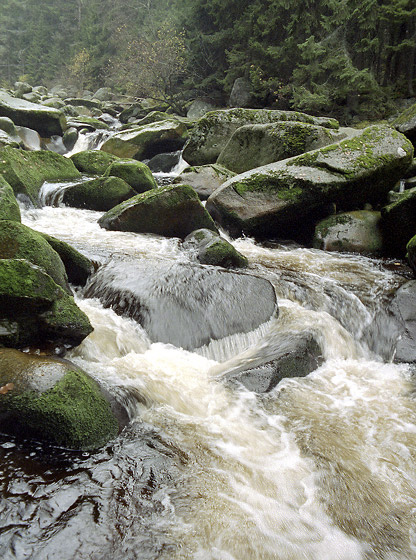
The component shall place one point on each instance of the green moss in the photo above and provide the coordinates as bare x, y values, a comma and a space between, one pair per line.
23, 283
133, 172
99, 194
18, 241
64, 320
73, 413
406, 116
93, 161
77, 266
26, 171
9, 209
222, 253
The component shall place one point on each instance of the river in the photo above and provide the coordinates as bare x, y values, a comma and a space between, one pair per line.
321, 468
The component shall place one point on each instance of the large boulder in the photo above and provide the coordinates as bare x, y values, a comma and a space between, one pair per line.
200, 107
286, 355
145, 141
101, 194
45, 120
78, 267
406, 123
27, 171
254, 145
135, 173
53, 400
204, 179
18, 241
212, 132
242, 94
182, 304
403, 309
35, 311
355, 232
172, 211
93, 161
210, 248
9, 209
279, 199
399, 223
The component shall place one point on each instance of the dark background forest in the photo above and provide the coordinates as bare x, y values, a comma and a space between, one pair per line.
321, 56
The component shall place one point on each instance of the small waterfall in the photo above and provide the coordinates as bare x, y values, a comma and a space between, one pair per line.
51, 194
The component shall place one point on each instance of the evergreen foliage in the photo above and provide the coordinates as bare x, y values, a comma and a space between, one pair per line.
317, 55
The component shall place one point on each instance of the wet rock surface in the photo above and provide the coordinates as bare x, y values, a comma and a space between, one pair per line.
184, 305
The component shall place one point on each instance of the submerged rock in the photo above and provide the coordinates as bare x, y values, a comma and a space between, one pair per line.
204, 179
34, 310
212, 132
182, 304
45, 120
288, 355
172, 211
280, 199
51, 399
354, 232
146, 141
27, 171
211, 248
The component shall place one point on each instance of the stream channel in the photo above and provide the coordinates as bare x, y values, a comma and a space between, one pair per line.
321, 468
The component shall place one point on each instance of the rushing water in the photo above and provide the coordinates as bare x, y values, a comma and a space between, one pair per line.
321, 468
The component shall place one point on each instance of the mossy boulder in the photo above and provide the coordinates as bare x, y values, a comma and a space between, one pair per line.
99, 194
78, 267
9, 209
354, 232
45, 120
210, 248
27, 171
172, 211
411, 253
146, 141
135, 173
204, 179
18, 241
86, 122
280, 199
399, 223
254, 145
53, 400
94, 162
8, 126
406, 123
34, 310
212, 132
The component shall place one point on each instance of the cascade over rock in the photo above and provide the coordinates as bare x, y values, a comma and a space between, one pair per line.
27, 171
278, 199
182, 304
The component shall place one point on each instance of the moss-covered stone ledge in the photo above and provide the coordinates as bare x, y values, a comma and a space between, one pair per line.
50, 399
172, 211
35, 311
